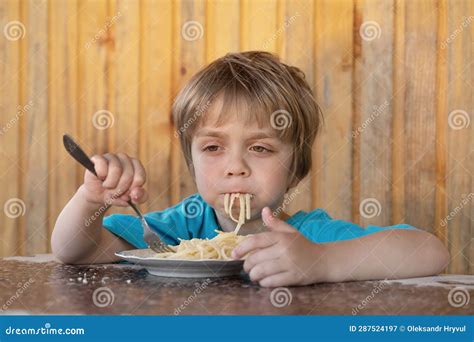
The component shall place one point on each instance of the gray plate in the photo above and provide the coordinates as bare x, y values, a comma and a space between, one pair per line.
181, 268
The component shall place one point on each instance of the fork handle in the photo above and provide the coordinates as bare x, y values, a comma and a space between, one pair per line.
78, 154
135, 209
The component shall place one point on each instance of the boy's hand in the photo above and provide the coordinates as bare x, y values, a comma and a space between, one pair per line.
282, 256
119, 179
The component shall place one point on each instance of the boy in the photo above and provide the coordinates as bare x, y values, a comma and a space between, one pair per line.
246, 124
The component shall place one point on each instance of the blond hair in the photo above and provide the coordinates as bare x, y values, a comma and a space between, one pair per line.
264, 90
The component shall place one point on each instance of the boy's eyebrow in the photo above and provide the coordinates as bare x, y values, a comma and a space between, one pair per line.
219, 134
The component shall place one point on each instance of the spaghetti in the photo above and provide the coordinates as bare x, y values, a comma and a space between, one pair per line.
219, 247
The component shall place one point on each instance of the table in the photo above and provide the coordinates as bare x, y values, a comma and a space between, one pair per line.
41, 285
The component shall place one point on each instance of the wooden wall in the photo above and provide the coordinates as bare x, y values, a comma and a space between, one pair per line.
394, 79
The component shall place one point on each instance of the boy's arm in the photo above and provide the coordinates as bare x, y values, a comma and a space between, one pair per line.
394, 253
282, 256
75, 242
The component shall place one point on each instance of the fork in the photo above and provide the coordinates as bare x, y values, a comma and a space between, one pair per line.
150, 237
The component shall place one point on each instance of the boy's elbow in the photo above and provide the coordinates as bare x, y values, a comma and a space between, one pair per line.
62, 257
63, 254
440, 255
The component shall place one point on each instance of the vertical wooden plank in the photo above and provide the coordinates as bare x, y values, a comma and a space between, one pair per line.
398, 123
258, 25
63, 44
95, 46
123, 76
155, 100
420, 114
189, 39
12, 111
222, 23
35, 128
295, 23
373, 72
97, 80
333, 62
124, 83
460, 136
441, 123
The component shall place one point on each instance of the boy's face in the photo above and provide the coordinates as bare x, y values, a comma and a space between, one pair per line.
236, 157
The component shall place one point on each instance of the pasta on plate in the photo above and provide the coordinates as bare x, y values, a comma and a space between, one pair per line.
220, 247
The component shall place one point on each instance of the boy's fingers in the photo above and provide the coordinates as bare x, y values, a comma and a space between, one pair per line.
261, 240
265, 269
118, 202
277, 280
114, 171
138, 195
139, 174
101, 166
262, 255
126, 178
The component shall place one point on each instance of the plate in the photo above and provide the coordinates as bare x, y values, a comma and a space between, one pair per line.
182, 268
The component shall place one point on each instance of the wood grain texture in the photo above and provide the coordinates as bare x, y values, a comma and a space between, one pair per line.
420, 113
12, 112
373, 80
459, 126
107, 73
63, 90
35, 129
333, 82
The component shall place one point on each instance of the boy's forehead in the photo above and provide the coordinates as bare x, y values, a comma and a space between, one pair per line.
217, 118
253, 132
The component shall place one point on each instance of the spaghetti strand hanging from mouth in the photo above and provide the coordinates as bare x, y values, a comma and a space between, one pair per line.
245, 209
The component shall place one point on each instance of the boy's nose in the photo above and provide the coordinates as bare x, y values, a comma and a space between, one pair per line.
237, 168
237, 173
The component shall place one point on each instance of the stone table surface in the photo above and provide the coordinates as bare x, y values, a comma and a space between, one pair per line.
41, 285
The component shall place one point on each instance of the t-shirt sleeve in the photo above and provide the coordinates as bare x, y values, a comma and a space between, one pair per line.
321, 228
129, 228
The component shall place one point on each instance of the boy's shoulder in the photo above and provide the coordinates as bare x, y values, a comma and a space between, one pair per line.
318, 226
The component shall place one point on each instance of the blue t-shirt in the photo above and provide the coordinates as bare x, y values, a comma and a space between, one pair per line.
194, 218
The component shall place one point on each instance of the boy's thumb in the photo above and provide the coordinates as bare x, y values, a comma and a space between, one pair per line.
274, 223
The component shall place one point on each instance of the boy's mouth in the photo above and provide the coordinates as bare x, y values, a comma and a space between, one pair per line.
241, 201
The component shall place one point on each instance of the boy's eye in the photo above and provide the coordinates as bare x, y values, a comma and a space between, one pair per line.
260, 149
211, 148
215, 148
